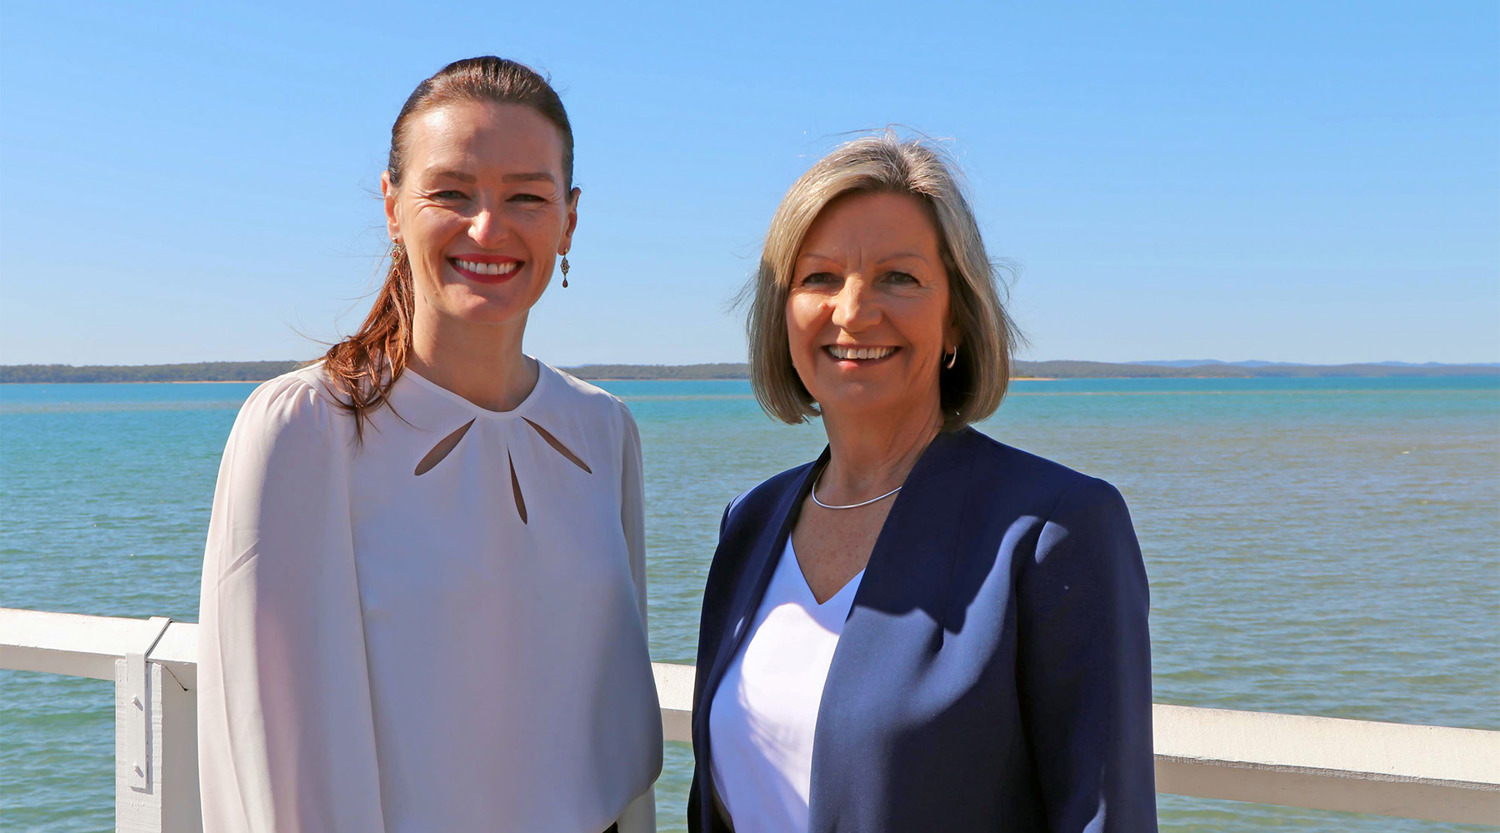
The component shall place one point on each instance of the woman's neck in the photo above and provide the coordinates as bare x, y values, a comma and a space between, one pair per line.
868, 457
483, 363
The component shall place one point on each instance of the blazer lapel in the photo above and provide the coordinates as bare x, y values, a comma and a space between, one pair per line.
911, 563
751, 582
898, 616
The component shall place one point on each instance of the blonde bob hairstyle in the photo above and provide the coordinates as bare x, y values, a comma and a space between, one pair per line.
972, 389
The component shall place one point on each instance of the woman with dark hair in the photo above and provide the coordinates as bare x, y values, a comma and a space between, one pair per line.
424, 586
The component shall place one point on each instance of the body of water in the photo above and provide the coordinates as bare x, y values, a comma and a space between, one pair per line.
1315, 546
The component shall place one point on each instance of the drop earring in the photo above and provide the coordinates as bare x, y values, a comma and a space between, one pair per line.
564, 266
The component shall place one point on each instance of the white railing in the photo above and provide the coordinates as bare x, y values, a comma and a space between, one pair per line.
1425, 772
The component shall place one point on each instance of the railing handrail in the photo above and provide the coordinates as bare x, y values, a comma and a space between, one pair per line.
1437, 773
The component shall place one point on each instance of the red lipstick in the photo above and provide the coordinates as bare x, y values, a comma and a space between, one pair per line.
482, 268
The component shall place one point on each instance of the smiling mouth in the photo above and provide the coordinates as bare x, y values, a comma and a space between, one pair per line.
485, 272
845, 353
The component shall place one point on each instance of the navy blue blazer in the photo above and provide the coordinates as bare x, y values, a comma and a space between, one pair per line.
994, 673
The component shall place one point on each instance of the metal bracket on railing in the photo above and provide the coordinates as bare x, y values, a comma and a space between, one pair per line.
137, 752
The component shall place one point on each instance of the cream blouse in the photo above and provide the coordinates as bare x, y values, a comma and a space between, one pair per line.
439, 628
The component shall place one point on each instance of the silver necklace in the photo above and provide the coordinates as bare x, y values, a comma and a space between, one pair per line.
814, 493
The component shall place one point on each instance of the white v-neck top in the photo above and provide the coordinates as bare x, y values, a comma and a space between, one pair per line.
399, 639
765, 711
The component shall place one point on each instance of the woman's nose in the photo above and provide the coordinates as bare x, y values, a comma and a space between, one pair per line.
487, 228
854, 307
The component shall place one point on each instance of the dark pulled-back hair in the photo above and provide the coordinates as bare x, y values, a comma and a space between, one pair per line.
364, 366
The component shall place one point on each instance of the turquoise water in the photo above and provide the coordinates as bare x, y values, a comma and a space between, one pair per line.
1315, 546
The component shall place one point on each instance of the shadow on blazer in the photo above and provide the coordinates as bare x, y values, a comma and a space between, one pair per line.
994, 673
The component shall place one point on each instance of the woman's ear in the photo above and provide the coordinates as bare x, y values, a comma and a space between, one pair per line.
565, 245
952, 333
388, 194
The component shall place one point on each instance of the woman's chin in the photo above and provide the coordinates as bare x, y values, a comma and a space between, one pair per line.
861, 401
485, 309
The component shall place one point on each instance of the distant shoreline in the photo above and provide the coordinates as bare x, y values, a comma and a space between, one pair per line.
201, 372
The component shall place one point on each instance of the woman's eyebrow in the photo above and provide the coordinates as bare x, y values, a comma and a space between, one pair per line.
461, 176
903, 255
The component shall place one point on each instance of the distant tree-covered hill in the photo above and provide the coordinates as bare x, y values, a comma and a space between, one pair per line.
1220, 370
195, 372
260, 371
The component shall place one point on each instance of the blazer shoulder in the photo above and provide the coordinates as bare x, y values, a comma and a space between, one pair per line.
999, 468
759, 501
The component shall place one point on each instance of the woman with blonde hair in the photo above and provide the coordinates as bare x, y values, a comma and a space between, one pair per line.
923, 629
424, 590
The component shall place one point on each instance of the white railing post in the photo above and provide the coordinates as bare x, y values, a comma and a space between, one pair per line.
134, 753
156, 745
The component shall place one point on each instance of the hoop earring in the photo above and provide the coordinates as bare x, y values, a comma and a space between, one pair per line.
564, 267
952, 358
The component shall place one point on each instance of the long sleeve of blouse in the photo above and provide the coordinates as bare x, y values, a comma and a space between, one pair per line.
640, 816
285, 732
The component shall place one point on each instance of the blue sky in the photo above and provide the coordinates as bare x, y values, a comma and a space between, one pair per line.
1287, 181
